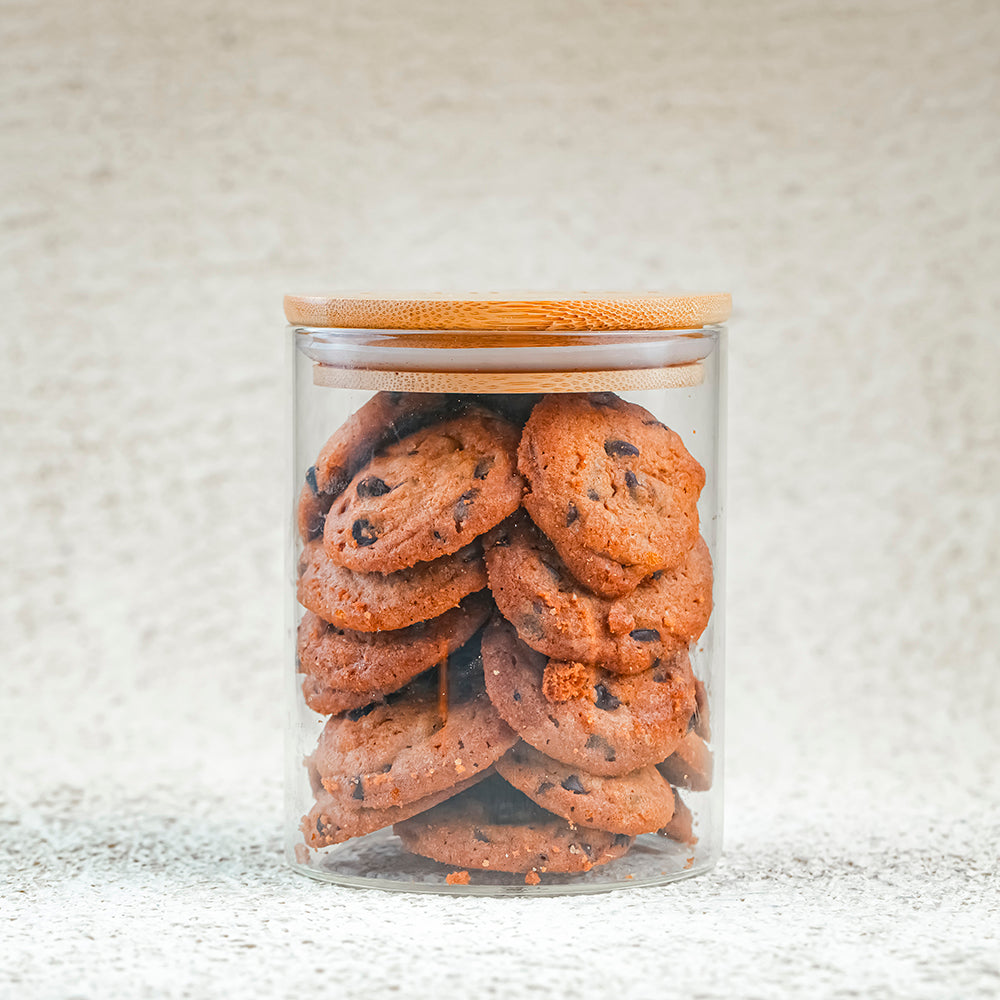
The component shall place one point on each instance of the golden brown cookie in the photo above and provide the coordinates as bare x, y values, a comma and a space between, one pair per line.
370, 602
614, 489
494, 827
557, 616
334, 818
375, 663
634, 803
386, 417
405, 748
427, 495
604, 723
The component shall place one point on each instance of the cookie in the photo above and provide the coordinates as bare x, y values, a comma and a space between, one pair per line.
387, 416
334, 819
494, 827
402, 749
327, 700
613, 488
427, 495
555, 615
370, 602
385, 661
681, 825
634, 803
690, 765
607, 724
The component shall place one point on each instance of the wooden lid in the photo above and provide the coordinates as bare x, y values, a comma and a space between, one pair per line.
510, 311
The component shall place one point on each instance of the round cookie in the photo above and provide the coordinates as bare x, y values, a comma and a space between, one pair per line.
334, 819
385, 661
370, 602
387, 416
555, 615
607, 724
634, 803
690, 765
494, 827
399, 750
428, 495
613, 488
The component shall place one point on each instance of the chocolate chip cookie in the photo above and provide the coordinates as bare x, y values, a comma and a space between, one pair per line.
384, 661
613, 488
334, 819
426, 496
555, 615
494, 827
369, 602
634, 803
605, 723
414, 743
387, 416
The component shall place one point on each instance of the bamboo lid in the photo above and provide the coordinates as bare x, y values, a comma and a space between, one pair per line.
501, 311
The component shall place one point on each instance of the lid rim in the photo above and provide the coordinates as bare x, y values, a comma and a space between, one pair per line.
526, 312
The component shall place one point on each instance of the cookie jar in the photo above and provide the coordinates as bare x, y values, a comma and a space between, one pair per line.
505, 590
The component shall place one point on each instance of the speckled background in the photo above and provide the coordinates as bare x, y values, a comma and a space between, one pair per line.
169, 170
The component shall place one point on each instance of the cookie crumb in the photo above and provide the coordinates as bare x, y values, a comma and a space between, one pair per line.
532, 878
457, 878
563, 681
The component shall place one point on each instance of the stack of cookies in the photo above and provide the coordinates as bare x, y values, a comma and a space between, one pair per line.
500, 595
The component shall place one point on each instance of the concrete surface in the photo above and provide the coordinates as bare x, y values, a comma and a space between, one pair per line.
169, 170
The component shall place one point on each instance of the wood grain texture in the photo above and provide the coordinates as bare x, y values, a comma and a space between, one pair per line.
498, 311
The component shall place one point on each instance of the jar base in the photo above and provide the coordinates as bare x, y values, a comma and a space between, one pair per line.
651, 862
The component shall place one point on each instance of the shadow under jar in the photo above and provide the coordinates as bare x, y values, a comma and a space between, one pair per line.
505, 641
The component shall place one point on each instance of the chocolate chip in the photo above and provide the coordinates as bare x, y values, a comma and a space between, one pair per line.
658, 574
359, 792
480, 836
596, 742
621, 839
319, 825
660, 676
543, 787
572, 784
387, 768
606, 701
438, 536
631, 482
462, 505
554, 721
645, 634
311, 479
593, 495
372, 486
619, 449
363, 532
517, 696
360, 713
571, 514
587, 849
483, 467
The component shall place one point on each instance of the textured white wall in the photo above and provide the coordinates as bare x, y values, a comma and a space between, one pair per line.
169, 170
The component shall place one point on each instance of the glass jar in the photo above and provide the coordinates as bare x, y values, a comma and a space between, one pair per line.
505, 580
